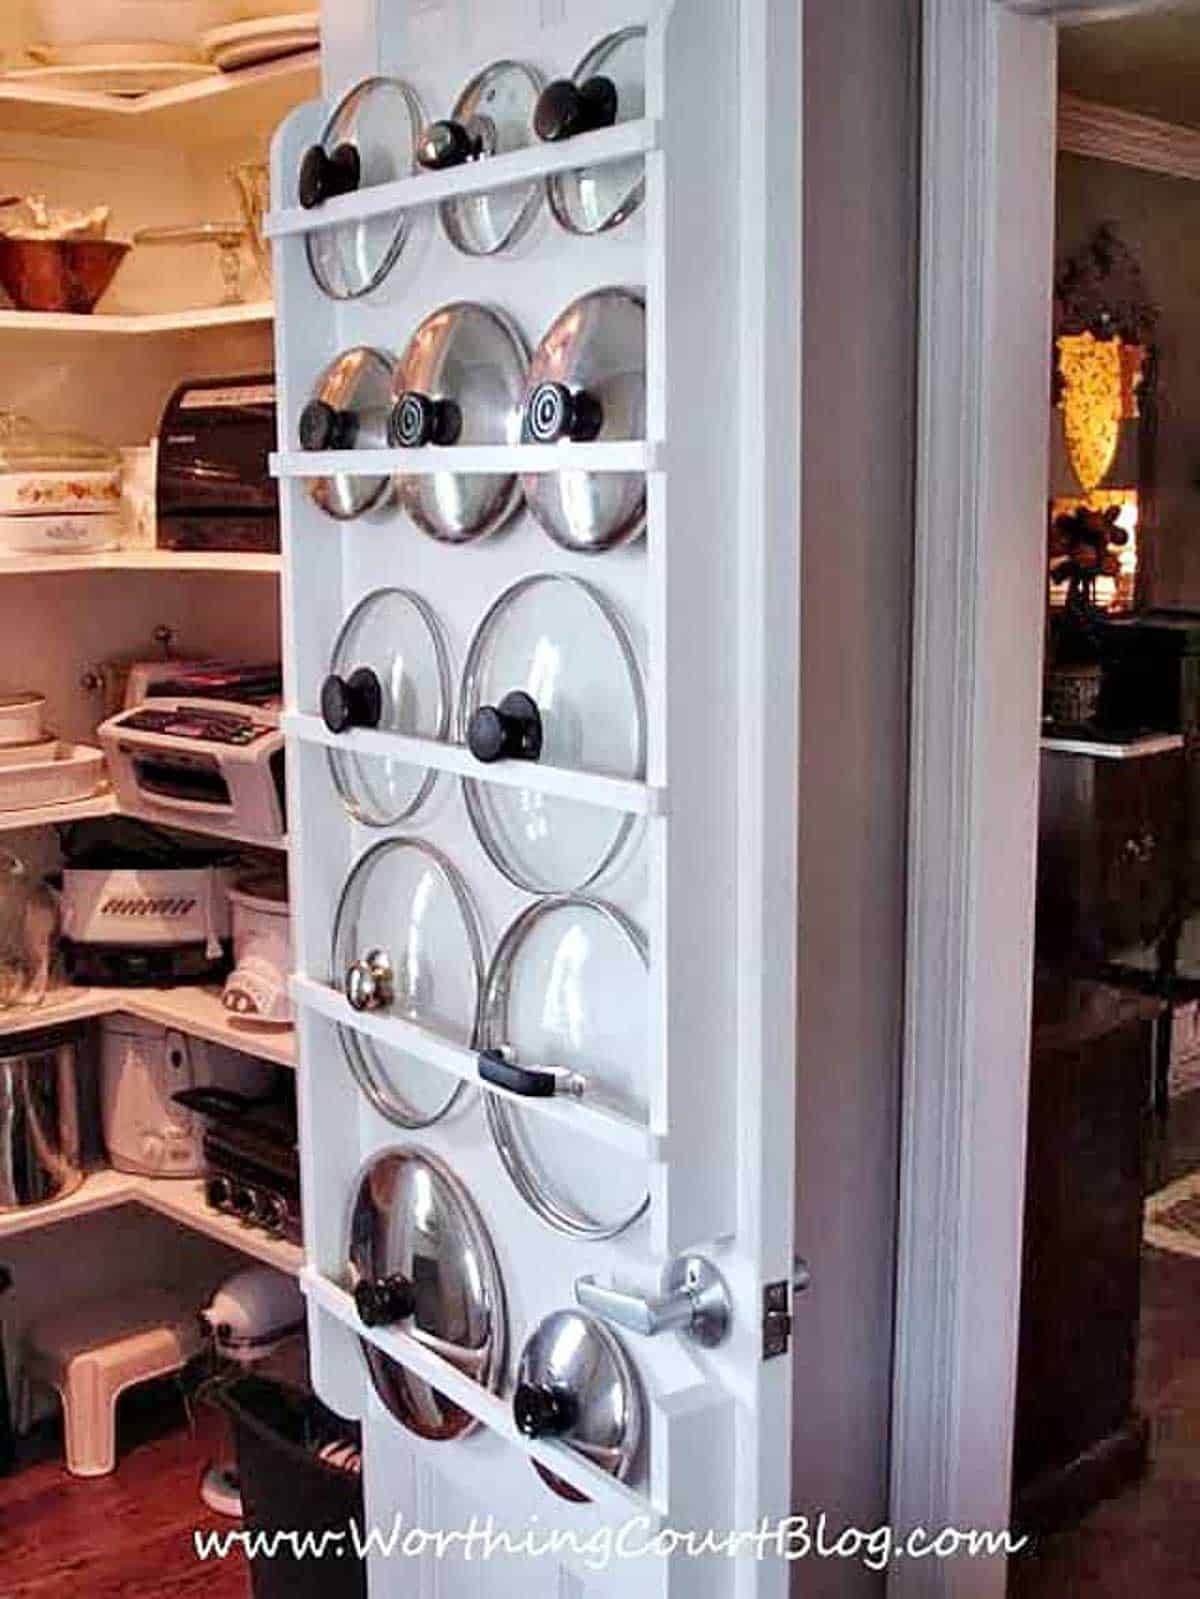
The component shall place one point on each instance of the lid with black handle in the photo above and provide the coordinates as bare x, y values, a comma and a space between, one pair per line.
422, 1262
607, 87
348, 410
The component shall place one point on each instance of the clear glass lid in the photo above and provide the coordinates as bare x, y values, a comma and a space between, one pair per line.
568, 989
492, 116
551, 676
349, 410
576, 1383
421, 1261
587, 380
28, 446
389, 671
460, 381
371, 138
607, 87
406, 945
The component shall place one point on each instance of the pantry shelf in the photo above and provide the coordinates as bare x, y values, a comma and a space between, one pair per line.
100, 325
215, 562
56, 815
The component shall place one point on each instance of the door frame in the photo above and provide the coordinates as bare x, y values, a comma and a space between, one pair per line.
987, 229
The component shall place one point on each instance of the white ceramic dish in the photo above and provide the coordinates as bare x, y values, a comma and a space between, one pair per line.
34, 754
21, 718
77, 774
61, 533
245, 44
38, 493
175, 22
129, 80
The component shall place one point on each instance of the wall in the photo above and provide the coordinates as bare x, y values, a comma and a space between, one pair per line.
1159, 219
860, 125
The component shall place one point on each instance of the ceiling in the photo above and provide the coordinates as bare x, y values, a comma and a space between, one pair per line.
1149, 64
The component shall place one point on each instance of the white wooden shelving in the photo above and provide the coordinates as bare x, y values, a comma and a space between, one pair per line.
102, 325
56, 815
217, 562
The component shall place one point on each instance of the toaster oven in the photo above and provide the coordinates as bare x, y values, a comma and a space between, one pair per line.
214, 488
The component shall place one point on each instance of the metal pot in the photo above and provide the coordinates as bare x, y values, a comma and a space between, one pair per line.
39, 1119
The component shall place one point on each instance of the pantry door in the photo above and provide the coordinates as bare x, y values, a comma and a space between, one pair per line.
706, 606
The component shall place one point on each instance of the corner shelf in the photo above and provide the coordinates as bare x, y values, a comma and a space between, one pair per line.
217, 562
54, 815
100, 324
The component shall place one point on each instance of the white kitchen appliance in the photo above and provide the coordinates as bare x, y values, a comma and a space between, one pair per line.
142, 1067
144, 924
257, 988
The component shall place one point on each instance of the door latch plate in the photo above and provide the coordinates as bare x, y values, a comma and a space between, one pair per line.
776, 1321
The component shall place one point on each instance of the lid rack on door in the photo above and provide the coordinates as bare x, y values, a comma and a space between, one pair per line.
693, 593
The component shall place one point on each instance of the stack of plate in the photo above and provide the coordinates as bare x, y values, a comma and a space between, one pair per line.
250, 43
36, 769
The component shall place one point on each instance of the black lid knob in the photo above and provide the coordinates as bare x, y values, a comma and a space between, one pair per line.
543, 1412
418, 419
450, 144
511, 730
383, 1301
324, 428
565, 109
556, 412
354, 701
326, 173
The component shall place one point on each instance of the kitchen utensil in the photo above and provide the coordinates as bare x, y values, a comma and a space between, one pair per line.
214, 487
77, 773
406, 943
460, 381
259, 39
551, 675
28, 927
390, 670
566, 1009
575, 1383
421, 1259
21, 719
58, 274
228, 237
39, 1119
370, 138
587, 380
608, 86
492, 116
349, 409
256, 991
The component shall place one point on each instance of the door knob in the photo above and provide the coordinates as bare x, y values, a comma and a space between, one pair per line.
370, 984
696, 1302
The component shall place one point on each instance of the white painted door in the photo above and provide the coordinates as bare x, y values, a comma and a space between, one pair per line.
709, 602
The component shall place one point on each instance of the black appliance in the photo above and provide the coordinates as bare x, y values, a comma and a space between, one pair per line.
251, 1150
214, 486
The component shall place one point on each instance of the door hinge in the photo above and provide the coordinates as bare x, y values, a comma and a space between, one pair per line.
777, 1315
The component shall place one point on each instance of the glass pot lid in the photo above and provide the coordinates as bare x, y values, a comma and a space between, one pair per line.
421, 1261
551, 675
492, 116
460, 381
587, 380
576, 1383
567, 989
349, 410
406, 944
607, 87
370, 138
390, 671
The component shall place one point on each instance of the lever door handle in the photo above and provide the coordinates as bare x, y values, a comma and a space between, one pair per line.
696, 1303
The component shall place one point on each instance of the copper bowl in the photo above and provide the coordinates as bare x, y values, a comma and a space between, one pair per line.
58, 274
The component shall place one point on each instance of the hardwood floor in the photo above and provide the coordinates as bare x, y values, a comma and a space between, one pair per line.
126, 1536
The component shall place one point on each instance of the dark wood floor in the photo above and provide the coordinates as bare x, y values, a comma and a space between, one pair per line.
126, 1536
1145, 1544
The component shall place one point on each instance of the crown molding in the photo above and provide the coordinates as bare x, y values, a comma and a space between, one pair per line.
1128, 138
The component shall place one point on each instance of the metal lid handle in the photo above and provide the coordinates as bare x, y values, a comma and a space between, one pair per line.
511, 730
370, 982
565, 108
327, 173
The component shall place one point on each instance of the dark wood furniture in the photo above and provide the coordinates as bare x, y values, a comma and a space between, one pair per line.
1078, 1436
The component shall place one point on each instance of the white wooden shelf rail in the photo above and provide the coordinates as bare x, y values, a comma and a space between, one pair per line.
631, 455
605, 1123
591, 788
601, 148
611, 1499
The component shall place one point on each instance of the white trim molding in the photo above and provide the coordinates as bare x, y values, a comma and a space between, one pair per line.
1109, 134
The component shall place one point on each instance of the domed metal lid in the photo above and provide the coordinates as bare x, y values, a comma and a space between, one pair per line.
576, 1383
389, 670
349, 410
608, 86
406, 943
421, 1260
551, 675
460, 381
587, 380
370, 138
568, 989
492, 116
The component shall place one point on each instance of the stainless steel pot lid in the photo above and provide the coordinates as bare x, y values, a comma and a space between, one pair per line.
608, 86
349, 410
421, 1260
370, 138
587, 380
460, 381
406, 944
551, 675
390, 671
568, 990
492, 116
576, 1383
